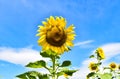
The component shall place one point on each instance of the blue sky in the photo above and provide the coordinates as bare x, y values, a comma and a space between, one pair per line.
96, 25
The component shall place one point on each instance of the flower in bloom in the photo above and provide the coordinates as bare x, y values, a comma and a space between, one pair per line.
119, 67
93, 66
55, 36
113, 66
66, 75
100, 53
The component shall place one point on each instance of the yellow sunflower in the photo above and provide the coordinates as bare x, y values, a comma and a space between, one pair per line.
119, 67
55, 36
113, 66
66, 75
93, 66
101, 53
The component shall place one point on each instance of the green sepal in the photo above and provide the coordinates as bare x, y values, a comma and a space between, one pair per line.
37, 64
49, 54
45, 54
66, 63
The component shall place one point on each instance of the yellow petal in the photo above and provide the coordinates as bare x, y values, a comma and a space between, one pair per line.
69, 43
70, 38
44, 23
59, 50
41, 41
55, 49
62, 49
70, 29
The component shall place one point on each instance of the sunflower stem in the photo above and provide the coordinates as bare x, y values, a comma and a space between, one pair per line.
54, 70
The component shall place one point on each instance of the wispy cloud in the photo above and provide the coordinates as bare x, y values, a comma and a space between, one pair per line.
85, 44
19, 56
111, 50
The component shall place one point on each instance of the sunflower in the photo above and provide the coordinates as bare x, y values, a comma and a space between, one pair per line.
113, 66
66, 75
119, 67
55, 36
100, 53
93, 66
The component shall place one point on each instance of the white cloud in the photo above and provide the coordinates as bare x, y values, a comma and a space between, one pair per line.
111, 50
19, 56
85, 44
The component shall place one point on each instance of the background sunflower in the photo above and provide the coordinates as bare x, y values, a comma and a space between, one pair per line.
100, 53
113, 66
93, 66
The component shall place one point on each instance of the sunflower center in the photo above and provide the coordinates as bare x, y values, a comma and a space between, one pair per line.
113, 66
56, 36
119, 67
94, 67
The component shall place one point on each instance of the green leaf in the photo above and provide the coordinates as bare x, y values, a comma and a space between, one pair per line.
33, 75
30, 75
92, 56
37, 64
60, 73
118, 77
106, 76
69, 72
98, 64
22, 76
44, 76
66, 63
90, 74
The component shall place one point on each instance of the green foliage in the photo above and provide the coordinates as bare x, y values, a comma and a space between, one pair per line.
66, 63
69, 72
118, 77
55, 68
102, 72
90, 74
37, 64
33, 75
44, 54
60, 73
106, 76
49, 54
92, 56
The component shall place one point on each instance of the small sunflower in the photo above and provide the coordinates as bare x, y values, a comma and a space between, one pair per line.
55, 36
66, 75
119, 66
100, 53
113, 66
93, 66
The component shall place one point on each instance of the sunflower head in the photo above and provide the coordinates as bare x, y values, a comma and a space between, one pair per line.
119, 66
55, 36
113, 66
66, 75
93, 66
100, 53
